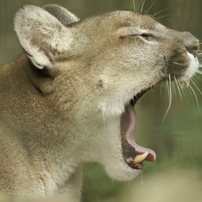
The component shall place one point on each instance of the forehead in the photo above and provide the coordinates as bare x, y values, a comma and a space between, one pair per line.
112, 21
130, 18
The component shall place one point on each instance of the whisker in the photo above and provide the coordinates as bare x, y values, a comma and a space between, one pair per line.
198, 77
167, 85
142, 6
178, 87
196, 87
164, 16
176, 63
199, 72
147, 11
169, 97
139, 7
163, 10
174, 88
192, 92
134, 7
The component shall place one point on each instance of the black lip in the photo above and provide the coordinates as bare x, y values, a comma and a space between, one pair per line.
138, 96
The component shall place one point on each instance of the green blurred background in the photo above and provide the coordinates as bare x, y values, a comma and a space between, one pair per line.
177, 140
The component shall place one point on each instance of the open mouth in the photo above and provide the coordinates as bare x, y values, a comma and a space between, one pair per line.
133, 153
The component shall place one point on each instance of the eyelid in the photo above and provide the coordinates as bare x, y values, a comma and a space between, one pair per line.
146, 35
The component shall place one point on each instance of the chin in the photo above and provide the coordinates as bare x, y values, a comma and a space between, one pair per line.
120, 171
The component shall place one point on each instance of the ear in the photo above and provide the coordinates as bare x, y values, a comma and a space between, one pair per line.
62, 14
41, 35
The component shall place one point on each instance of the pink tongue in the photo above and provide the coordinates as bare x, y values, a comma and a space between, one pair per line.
129, 129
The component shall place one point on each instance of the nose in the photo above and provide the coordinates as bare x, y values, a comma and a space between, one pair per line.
194, 48
191, 43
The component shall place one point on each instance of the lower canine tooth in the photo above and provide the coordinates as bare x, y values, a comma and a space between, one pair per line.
140, 158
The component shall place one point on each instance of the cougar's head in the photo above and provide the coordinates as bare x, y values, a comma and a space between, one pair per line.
100, 67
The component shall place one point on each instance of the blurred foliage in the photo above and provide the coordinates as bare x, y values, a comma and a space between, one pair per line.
178, 140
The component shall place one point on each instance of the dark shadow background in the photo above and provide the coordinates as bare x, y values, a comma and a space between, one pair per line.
178, 140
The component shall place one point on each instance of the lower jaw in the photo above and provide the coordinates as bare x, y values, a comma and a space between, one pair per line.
130, 148
132, 164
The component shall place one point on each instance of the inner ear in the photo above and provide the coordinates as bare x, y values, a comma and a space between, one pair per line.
62, 14
41, 35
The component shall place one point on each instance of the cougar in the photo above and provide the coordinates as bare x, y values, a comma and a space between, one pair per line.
69, 99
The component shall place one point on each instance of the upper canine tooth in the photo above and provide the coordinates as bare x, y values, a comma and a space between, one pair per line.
141, 157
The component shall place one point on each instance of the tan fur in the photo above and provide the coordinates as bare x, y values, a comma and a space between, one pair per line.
61, 102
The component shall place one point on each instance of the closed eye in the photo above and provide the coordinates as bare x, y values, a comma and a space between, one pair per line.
146, 35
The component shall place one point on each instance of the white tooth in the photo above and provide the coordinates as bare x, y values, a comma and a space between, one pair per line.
140, 158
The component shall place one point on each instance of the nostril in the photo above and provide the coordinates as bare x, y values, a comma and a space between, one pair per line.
195, 54
194, 48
